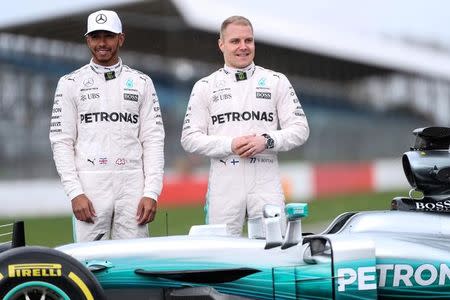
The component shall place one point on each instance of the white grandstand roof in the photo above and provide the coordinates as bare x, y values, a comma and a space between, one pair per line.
290, 26
367, 32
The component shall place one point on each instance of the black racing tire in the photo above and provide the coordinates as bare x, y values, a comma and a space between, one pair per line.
45, 273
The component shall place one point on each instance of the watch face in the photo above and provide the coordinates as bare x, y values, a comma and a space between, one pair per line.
270, 143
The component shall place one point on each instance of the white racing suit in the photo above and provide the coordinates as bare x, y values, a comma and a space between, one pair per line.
222, 107
107, 138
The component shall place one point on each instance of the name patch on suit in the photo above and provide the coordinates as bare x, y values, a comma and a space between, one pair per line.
263, 95
131, 97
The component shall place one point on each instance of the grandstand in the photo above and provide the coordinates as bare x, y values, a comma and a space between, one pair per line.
352, 95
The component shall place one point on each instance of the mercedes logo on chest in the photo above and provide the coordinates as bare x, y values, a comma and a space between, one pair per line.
88, 82
100, 19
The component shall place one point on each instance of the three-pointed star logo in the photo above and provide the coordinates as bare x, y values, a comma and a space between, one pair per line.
101, 19
88, 82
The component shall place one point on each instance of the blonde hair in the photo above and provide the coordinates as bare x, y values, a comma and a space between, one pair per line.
240, 20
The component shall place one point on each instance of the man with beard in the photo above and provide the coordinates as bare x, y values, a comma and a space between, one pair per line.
241, 116
107, 138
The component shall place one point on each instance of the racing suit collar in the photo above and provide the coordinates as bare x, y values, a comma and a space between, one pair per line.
102, 70
246, 72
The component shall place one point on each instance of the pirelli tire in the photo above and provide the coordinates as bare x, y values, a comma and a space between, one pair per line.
44, 273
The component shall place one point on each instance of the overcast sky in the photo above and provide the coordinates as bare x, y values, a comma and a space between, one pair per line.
426, 20
25, 11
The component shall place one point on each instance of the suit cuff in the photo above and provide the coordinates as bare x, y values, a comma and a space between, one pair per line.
152, 195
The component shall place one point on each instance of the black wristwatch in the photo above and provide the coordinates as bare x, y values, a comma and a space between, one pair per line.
270, 143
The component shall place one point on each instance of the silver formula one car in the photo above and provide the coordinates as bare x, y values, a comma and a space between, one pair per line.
402, 253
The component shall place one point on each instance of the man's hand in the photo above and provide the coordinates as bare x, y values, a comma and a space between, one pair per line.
146, 210
248, 145
83, 209
239, 144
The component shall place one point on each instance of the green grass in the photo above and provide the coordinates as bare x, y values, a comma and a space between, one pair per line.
328, 208
54, 231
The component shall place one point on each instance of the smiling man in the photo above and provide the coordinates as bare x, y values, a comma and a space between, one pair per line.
107, 138
241, 116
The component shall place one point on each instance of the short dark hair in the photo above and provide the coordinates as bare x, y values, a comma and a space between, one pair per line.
240, 20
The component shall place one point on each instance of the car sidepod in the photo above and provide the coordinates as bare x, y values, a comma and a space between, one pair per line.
351, 263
